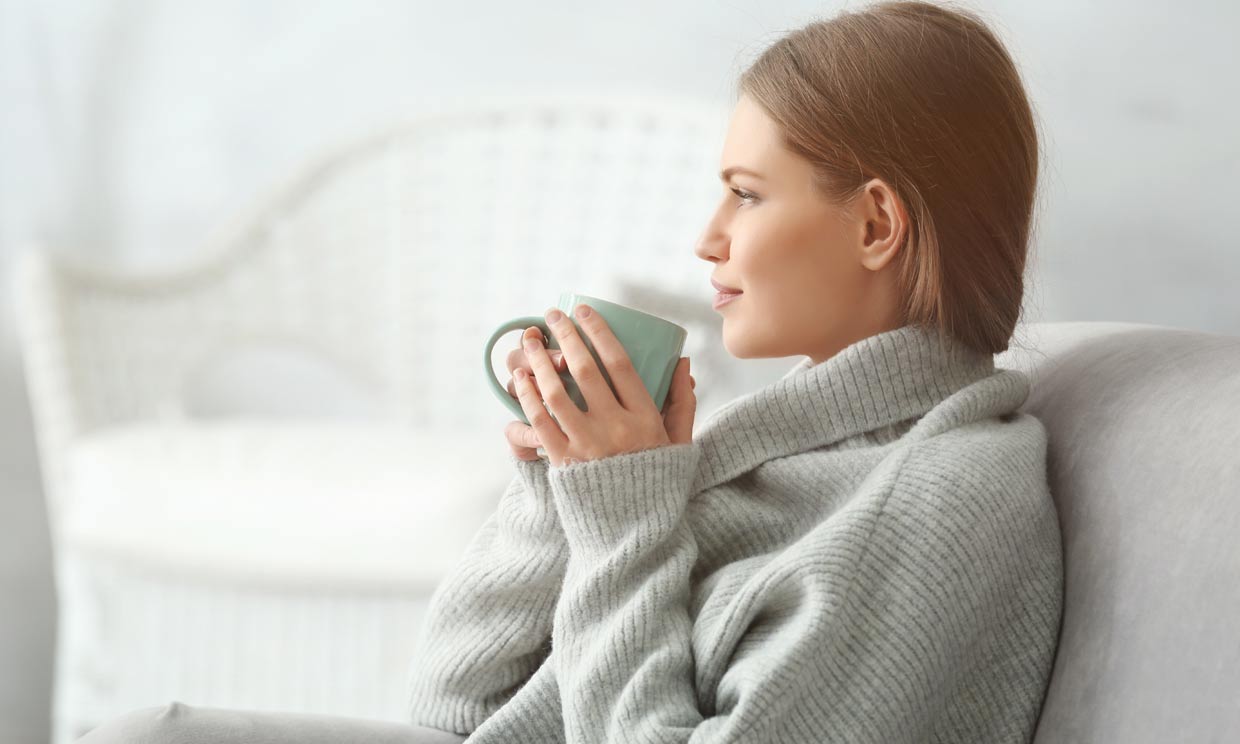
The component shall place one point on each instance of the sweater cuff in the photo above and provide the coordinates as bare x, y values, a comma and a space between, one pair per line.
535, 513
606, 502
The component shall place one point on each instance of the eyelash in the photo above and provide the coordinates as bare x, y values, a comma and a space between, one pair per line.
744, 195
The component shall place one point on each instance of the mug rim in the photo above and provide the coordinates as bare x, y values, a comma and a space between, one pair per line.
590, 299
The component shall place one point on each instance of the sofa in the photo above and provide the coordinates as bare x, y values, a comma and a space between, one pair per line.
1143, 429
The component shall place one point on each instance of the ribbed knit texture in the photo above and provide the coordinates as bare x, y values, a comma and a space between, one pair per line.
865, 550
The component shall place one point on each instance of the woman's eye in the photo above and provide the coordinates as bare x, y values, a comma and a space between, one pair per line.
745, 196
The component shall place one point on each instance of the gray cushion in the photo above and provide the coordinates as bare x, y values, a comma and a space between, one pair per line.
182, 723
1144, 441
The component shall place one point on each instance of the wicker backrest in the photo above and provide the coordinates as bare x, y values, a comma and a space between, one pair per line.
398, 254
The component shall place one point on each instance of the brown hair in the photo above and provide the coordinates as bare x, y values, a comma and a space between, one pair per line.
926, 98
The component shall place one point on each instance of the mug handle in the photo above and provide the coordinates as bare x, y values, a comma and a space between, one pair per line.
501, 392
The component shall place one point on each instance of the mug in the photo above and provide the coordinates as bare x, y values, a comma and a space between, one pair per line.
653, 343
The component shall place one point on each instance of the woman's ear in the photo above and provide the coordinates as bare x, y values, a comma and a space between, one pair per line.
884, 222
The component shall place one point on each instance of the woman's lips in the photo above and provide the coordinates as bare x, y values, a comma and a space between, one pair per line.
723, 298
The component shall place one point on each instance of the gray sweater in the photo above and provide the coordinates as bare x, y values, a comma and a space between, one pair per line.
865, 550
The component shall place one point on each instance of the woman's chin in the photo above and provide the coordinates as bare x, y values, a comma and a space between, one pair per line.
735, 345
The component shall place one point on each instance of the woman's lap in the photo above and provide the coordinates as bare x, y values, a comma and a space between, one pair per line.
179, 723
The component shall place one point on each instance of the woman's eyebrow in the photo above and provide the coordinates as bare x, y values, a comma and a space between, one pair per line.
726, 173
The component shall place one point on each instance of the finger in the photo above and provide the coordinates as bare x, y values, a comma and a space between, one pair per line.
526, 436
516, 358
512, 390
581, 364
522, 439
557, 360
681, 386
524, 453
567, 414
681, 406
546, 428
630, 390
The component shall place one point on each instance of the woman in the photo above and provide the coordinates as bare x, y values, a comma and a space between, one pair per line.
865, 550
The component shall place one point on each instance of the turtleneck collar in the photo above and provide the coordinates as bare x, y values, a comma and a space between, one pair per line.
877, 381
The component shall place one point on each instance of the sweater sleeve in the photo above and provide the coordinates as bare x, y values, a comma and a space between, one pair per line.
623, 659
872, 631
487, 627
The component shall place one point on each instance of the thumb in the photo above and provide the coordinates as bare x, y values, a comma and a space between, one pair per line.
681, 405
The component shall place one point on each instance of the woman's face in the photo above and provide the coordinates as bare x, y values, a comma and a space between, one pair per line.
812, 274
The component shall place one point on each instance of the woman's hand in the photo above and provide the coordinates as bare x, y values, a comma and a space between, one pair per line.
616, 423
522, 439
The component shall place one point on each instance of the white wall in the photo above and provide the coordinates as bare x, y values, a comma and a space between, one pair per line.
129, 129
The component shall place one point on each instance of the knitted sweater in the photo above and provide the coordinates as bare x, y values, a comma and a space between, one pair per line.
865, 550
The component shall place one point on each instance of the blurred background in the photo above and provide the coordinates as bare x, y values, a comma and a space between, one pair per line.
199, 172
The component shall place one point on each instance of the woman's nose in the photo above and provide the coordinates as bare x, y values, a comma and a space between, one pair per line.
708, 248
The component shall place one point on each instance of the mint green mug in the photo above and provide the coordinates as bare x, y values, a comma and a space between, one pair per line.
653, 343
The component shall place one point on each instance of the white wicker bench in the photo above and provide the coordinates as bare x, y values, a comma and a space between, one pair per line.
284, 564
